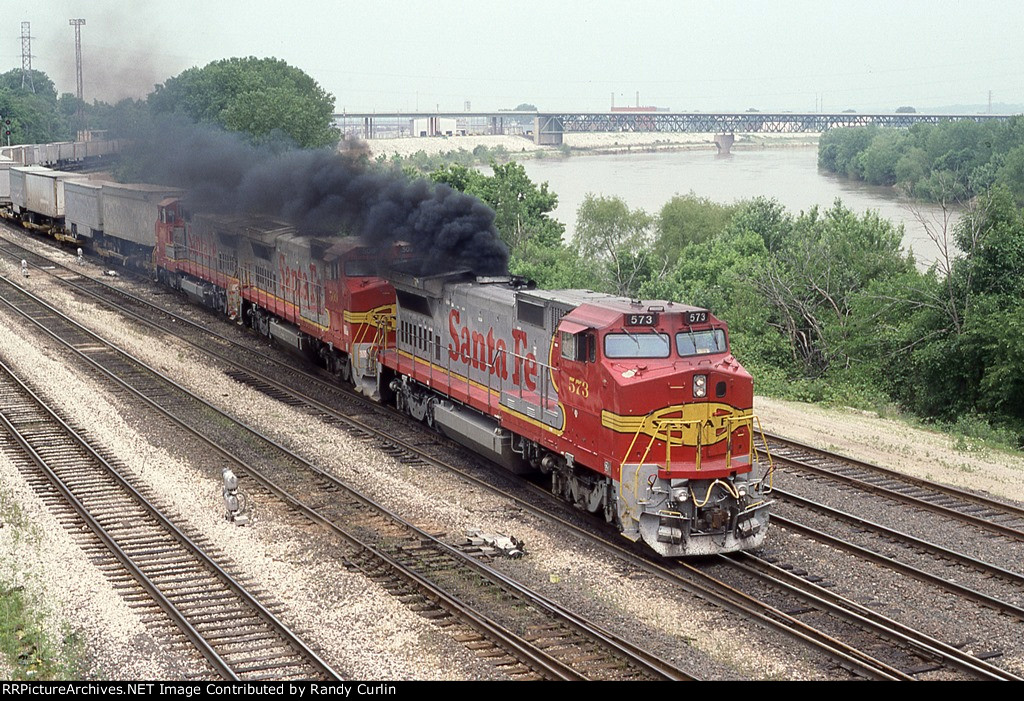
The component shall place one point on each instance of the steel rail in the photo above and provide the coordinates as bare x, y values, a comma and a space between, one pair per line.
978, 521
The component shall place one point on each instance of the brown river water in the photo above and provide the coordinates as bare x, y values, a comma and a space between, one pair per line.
789, 175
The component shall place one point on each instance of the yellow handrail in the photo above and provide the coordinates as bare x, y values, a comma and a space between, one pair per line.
664, 429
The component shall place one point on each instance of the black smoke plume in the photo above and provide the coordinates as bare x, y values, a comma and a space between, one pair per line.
323, 193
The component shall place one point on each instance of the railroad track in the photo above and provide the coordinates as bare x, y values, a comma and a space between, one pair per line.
958, 573
239, 637
970, 508
905, 651
848, 656
547, 639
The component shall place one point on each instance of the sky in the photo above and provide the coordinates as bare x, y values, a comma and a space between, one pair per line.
686, 55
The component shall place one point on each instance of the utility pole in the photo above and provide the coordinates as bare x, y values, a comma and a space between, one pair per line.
26, 56
77, 24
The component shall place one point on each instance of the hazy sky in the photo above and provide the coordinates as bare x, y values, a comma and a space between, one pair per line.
704, 55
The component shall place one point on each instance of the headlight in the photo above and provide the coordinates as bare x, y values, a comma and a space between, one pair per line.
700, 385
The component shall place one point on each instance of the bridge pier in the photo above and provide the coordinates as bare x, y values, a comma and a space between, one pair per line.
724, 142
547, 131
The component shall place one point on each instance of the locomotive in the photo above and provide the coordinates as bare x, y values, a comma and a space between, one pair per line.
636, 410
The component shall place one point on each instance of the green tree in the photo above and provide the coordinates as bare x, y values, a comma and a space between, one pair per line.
523, 219
911, 167
687, 219
522, 208
41, 85
882, 157
825, 261
35, 117
261, 97
620, 241
1010, 173
948, 162
554, 266
766, 218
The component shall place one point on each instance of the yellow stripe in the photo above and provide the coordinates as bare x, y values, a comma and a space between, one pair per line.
462, 378
372, 316
678, 424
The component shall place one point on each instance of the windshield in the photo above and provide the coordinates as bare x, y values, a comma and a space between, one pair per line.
636, 345
355, 267
700, 342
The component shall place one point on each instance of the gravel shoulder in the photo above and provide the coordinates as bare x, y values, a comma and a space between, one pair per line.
897, 445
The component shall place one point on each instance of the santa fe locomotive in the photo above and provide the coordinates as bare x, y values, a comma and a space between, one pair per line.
636, 409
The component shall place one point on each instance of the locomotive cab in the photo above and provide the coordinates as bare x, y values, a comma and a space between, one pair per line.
170, 235
361, 307
682, 472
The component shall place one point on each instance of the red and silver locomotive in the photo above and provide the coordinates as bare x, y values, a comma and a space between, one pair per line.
320, 296
637, 410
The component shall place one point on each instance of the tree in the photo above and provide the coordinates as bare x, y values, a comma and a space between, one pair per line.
687, 219
264, 98
1010, 173
906, 110
714, 274
42, 86
882, 157
824, 262
620, 240
35, 117
522, 208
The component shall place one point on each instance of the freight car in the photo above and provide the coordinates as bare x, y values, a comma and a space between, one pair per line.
37, 197
636, 410
90, 147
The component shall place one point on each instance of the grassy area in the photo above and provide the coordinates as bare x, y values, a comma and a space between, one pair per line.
29, 651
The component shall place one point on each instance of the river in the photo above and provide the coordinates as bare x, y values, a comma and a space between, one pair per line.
789, 175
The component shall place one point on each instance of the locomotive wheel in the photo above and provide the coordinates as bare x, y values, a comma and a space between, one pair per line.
345, 372
429, 419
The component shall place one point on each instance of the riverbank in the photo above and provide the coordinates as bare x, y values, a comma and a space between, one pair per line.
580, 144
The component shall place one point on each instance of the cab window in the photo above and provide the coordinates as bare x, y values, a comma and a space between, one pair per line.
579, 346
637, 345
700, 342
356, 267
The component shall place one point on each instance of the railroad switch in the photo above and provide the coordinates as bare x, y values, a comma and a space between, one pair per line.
235, 502
24, 268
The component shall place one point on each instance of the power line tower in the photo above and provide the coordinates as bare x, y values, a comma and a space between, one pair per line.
77, 24
26, 56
